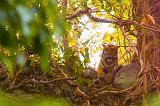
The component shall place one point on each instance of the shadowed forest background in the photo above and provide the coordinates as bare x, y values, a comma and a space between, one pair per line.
79, 52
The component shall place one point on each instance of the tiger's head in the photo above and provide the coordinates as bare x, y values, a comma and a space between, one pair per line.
110, 53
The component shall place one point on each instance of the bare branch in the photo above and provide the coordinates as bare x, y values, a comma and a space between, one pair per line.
77, 14
151, 28
88, 12
51, 81
25, 81
119, 22
126, 36
102, 20
76, 88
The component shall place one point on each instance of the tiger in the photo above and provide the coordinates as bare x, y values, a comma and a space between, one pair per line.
108, 64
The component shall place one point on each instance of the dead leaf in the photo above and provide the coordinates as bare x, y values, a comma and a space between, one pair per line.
148, 20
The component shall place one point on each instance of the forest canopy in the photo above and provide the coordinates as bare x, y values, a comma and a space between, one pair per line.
43, 25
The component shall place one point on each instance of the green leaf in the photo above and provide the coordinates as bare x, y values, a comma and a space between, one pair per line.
9, 65
26, 16
4, 36
45, 61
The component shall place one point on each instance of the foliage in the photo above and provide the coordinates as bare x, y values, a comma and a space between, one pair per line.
39, 25
28, 23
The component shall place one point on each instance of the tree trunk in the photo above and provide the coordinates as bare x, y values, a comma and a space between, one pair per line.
65, 40
148, 42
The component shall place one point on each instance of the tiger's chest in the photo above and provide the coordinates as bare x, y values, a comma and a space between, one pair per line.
109, 59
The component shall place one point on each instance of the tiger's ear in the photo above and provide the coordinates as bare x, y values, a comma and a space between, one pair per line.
103, 44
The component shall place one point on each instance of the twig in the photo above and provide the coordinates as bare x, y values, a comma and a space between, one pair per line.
17, 73
127, 90
100, 89
151, 28
126, 36
114, 92
75, 87
51, 81
26, 81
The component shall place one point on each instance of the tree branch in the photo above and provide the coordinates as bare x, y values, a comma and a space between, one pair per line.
119, 22
151, 28
75, 87
88, 12
77, 14
26, 81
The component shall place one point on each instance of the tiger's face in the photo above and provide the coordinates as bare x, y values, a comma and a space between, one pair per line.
110, 53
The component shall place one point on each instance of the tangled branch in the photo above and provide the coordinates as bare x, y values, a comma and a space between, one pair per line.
119, 22
26, 81
88, 12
